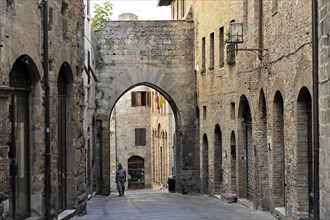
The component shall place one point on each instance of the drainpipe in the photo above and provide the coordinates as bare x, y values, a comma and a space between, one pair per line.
47, 115
260, 29
316, 147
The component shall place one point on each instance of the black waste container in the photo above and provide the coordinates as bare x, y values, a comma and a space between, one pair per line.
171, 184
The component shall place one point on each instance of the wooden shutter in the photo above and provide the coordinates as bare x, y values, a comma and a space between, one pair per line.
140, 136
148, 99
133, 99
143, 136
137, 136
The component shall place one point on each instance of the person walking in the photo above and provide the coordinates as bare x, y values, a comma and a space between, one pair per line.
121, 179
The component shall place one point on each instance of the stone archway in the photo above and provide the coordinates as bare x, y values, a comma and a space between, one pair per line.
218, 173
262, 161
304, 156
205, 165
278, 154
151, 53
245, 151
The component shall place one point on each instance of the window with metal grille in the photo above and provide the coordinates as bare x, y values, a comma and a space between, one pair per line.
19, 77
140, 136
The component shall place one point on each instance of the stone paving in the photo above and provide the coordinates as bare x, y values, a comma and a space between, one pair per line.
152, 205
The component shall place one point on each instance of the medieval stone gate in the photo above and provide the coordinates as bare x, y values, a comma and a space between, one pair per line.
158, 54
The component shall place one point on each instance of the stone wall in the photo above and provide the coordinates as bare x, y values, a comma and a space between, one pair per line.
257, 96
90, 80
324, 107
158, 54
21, 41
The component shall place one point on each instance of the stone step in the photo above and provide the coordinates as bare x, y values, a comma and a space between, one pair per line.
66, 214
246, 203
228, 197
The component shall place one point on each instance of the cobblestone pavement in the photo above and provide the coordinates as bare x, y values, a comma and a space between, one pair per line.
154, 205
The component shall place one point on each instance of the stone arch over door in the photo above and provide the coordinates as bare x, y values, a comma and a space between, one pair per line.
155, 56
245, 151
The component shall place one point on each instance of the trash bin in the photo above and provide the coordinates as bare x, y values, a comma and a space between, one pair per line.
171, 184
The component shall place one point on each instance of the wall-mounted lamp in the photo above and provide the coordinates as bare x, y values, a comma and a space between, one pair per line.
236, 32
236, 37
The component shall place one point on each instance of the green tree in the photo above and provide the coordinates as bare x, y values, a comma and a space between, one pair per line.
102, 14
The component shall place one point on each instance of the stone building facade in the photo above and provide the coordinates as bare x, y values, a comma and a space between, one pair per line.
158, 54
43, 159
90, 80
255, 107
163, 141
324, 106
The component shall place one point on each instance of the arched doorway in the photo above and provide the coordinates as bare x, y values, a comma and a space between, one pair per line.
62, 138
245, 151
136, 173
304, 154
65, 149
217, 159
20, 79
233, 162
205, 165
262, 156
278, 152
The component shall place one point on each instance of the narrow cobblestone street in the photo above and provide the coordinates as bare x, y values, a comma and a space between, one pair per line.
152, 204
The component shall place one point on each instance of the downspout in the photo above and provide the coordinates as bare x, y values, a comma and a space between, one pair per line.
260, 29
47, 115
316, 147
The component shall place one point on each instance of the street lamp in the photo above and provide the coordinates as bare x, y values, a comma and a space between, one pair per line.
236, 32
236, 37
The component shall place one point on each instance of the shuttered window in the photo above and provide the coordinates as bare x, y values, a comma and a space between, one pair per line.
140, 98
140, 136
